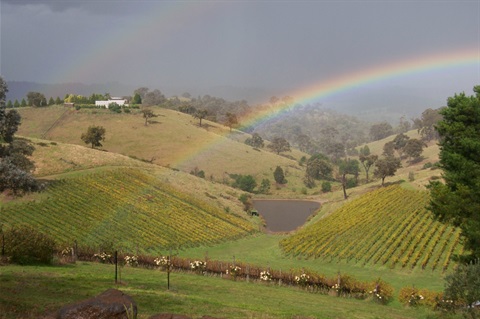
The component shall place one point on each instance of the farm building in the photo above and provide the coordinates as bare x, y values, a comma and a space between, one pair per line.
120, 101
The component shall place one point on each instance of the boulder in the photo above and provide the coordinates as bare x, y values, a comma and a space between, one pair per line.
109, 304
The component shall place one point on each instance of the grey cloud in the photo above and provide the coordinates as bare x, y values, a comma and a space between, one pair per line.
103, 7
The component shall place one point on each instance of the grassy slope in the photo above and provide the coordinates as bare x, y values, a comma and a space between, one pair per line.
128, 207
174, 140
31, 291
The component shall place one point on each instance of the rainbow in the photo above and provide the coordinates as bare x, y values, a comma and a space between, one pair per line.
342, 84
356, 79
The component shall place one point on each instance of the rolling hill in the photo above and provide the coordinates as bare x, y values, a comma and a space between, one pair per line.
395, 230
173, 140
130, 208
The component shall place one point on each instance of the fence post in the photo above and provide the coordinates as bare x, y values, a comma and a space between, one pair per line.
75, 252
168, 268
115, 258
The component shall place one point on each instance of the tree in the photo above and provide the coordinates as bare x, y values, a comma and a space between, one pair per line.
58, 101
274, 100
389, 149
347, 167
255, 141
137, 99
386, 167
380, 130
153, 98
279, 176
16, 104
231, 120
94, 136
23, 103
15, 165
264, 186
367, 161
430, 118
142, 91
305, 143
36, 99
51, 101
147, 115
462, 287
414, 148
245, 182
403, 125
279, 144
399, 143
9, 104
200, 115
457, 200
318, 167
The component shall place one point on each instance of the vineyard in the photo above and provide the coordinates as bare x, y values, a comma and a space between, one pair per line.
128, 208
389, 226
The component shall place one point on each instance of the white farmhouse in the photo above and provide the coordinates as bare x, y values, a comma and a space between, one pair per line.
120, 101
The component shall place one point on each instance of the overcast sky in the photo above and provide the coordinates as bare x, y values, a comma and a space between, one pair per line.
283, 45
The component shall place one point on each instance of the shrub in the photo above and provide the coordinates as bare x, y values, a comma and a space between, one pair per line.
427, 165
326, 187
411, 296
351, 182
279, 176
462, 289
381, 292
25, 245
411, 176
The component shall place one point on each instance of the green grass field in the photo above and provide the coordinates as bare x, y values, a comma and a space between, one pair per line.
28, 292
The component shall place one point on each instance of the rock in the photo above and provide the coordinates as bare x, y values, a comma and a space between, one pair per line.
109, 304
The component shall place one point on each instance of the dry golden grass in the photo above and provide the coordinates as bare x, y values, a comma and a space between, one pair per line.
173, 140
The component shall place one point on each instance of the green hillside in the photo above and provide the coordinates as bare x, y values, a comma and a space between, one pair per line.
130, 208
389, 226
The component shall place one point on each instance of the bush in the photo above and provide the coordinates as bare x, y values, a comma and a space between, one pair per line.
411, 296
326, 187
411, 176
462, 289
351, 183
114, 107
25, 245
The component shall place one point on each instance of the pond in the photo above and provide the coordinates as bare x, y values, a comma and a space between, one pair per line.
285, 215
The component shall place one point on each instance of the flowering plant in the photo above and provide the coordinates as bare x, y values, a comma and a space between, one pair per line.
233, 270
103, 257
302, 280
415, 299
265, 276
131, 261
162, 261
67, 252
198, 265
